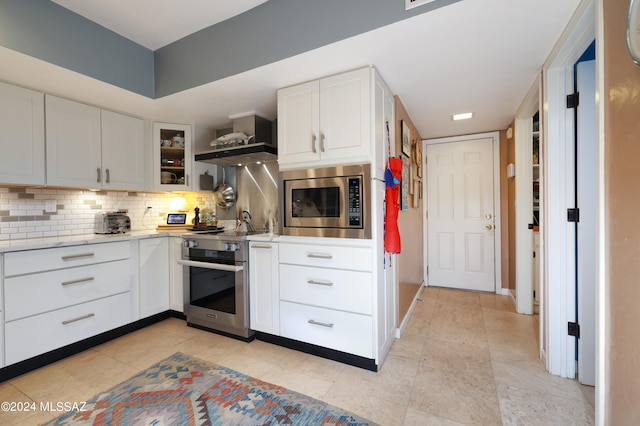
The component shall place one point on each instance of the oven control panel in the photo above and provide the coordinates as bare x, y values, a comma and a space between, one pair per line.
231, 246
190, 244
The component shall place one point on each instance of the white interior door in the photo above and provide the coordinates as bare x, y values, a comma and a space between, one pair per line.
460, 215
586, 231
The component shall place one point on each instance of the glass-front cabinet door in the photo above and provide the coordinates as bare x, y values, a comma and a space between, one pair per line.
172, 156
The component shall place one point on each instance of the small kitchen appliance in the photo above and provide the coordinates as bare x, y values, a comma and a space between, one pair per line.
112, 222
326, 202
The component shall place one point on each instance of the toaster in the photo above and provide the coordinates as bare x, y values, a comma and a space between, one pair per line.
112, 223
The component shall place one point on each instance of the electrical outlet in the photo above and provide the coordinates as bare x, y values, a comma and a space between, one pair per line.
50, 206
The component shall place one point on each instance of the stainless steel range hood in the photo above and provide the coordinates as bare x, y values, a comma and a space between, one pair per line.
252, 139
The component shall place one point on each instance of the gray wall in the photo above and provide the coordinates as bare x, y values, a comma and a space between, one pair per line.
270, 32
44, 30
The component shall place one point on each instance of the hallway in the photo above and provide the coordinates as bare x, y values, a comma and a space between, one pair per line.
479, 365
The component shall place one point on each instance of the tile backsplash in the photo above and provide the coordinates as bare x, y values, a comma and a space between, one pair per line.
23, 212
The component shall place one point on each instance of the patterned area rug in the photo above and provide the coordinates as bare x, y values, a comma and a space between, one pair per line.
182, 390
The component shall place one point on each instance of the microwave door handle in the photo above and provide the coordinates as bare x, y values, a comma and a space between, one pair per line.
208, 265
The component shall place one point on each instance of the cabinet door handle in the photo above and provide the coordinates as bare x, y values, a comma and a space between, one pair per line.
108, 176
320, 256
322, 142
313, 143
77, 256
318, 282
261, 246
186, 180
98, 170
78, 281
323, 324
69, 321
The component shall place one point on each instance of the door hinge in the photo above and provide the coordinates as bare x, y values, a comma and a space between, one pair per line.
573, 100
573, 215
574, 329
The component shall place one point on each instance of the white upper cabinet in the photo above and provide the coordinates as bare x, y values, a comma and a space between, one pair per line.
122, 151
21, 136
298, 123
172, 161
325, 122
91, 148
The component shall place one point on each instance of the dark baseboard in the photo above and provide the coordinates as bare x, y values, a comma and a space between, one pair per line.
22, 367
332, 354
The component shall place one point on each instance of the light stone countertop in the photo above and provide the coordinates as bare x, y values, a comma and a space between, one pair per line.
76, 240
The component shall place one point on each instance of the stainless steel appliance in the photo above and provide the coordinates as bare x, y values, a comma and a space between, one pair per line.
252, 139
112, 223
216, 282
326, 202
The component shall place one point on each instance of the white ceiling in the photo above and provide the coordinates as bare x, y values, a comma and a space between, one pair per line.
473, 55
156, 23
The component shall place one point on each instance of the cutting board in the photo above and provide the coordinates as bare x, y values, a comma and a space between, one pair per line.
206, 182
174, 227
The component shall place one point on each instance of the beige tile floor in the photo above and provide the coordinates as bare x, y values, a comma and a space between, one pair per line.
464, 358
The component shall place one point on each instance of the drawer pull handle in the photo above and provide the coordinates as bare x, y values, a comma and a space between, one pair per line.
78, 281
77, 256
78, 319
320, 255
318, 282
263, 246
323, 324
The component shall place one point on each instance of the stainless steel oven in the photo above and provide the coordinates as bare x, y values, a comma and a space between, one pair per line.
326, 202
216, 284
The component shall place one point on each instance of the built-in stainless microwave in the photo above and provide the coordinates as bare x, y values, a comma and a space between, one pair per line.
326, 202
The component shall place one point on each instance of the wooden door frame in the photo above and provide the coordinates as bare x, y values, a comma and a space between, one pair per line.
497, 245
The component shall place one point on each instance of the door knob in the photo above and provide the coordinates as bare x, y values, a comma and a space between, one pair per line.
488, 216
489, 227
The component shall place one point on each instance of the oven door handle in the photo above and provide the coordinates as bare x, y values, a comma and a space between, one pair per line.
207, 265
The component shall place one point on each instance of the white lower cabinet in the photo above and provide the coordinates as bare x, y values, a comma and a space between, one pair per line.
327, 295
35, 335
58, 296
328, 288
153, 276
330, 328
264, 298
35, 293
176, 295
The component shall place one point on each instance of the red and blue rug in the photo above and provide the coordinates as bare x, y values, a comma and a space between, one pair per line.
182, 390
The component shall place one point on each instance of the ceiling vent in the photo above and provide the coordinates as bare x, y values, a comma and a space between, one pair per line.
410, 4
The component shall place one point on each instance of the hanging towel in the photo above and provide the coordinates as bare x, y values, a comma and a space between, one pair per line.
393, 178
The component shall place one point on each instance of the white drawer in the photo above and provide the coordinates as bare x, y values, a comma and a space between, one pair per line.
350, 258
342, 331
33, 294
330, 288
36, 335
28, 262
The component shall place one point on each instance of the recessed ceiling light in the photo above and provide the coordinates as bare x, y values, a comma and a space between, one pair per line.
462, 116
